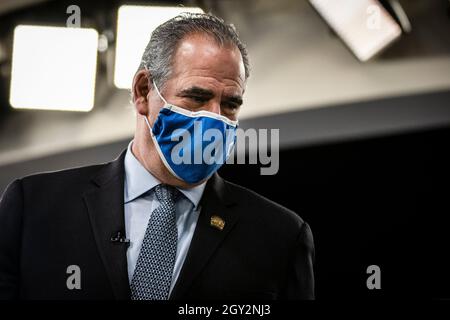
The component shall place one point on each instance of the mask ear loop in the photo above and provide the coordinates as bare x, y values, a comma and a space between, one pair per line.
145, 117
159, 94
148, 125
156, 88
157, 91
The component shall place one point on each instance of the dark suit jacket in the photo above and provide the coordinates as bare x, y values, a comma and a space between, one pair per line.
50, 221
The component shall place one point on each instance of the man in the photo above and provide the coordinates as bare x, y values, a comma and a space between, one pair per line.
147, 226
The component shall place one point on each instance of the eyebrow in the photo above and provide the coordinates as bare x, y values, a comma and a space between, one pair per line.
198, 91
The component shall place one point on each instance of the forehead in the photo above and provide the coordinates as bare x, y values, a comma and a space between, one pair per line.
201, 57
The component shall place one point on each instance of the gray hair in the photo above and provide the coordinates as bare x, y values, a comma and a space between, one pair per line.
160, 50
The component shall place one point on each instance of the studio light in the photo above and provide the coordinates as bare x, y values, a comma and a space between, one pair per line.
364, 25
53, 68
134, 27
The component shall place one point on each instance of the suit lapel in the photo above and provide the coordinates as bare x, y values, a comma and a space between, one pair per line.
105, 205
216, 201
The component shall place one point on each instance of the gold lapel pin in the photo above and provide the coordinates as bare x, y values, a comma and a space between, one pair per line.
217, 222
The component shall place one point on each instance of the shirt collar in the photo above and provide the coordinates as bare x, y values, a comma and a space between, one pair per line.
139, 180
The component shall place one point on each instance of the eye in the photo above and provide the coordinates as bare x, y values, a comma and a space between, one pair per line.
198, 99
231, 106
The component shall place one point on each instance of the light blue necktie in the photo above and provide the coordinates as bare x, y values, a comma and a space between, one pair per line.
152, 276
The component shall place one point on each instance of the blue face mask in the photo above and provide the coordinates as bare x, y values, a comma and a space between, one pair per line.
192, 145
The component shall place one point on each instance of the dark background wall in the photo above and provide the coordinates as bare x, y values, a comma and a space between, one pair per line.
382, 201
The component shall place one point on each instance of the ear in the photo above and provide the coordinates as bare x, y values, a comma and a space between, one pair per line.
140, 91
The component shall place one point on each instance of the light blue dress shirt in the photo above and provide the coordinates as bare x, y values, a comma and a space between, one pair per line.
141, 201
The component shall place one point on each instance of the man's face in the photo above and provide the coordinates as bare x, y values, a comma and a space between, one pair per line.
205, 76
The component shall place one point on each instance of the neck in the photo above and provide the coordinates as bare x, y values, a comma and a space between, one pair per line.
145, 152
